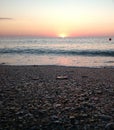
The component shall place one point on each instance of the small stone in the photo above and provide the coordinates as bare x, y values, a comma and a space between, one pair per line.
1, 102
99, 92
54, 117
35, 78
34, 128
72, 120
112, 110
96, 99
84, 76
67, 108
84, 115
109, 126
20, 112
57, 122
42, 113
57, 105
86, 99
20, 117
29, 115
105, 117
62, 77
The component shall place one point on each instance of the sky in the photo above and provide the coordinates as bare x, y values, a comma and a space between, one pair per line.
57, 18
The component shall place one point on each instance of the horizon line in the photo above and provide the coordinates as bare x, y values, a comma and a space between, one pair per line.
43, 36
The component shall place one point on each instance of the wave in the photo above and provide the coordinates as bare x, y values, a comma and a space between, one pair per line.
59, 52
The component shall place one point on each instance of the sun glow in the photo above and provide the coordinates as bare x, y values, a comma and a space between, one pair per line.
62, 35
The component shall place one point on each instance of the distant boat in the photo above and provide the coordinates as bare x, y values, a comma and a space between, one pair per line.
110, 39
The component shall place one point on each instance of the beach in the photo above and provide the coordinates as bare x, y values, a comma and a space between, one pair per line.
47, 97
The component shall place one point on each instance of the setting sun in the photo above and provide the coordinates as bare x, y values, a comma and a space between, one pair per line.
62, 35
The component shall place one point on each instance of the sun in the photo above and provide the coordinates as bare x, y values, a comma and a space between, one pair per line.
62, 35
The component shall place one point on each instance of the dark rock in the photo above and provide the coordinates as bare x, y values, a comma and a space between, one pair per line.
34, 128
109, 126
57, 105
84, 76
73, 128
72, 120
99, 92
54, 117
39, 113
105, 117
56, 125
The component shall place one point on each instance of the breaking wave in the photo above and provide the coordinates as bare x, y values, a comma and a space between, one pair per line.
58, 52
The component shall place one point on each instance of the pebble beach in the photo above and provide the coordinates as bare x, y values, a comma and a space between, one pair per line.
56, 98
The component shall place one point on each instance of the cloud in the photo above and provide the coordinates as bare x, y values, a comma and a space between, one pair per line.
4, 18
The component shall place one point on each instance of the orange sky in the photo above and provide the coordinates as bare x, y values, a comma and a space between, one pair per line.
57, 18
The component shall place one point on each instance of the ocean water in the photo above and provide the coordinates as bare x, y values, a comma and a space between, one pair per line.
80, 52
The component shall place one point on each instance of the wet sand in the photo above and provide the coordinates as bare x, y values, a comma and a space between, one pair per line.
56, 98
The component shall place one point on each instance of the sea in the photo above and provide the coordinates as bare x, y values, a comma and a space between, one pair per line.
76, 51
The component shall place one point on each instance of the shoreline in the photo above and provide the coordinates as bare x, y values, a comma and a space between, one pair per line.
56, 97
27, 65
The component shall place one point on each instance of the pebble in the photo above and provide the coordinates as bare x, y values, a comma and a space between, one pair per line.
62, 77
72, 120
109, 126
84, 76
57, 105
54, 117
105, 117
99, 92
34, 128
